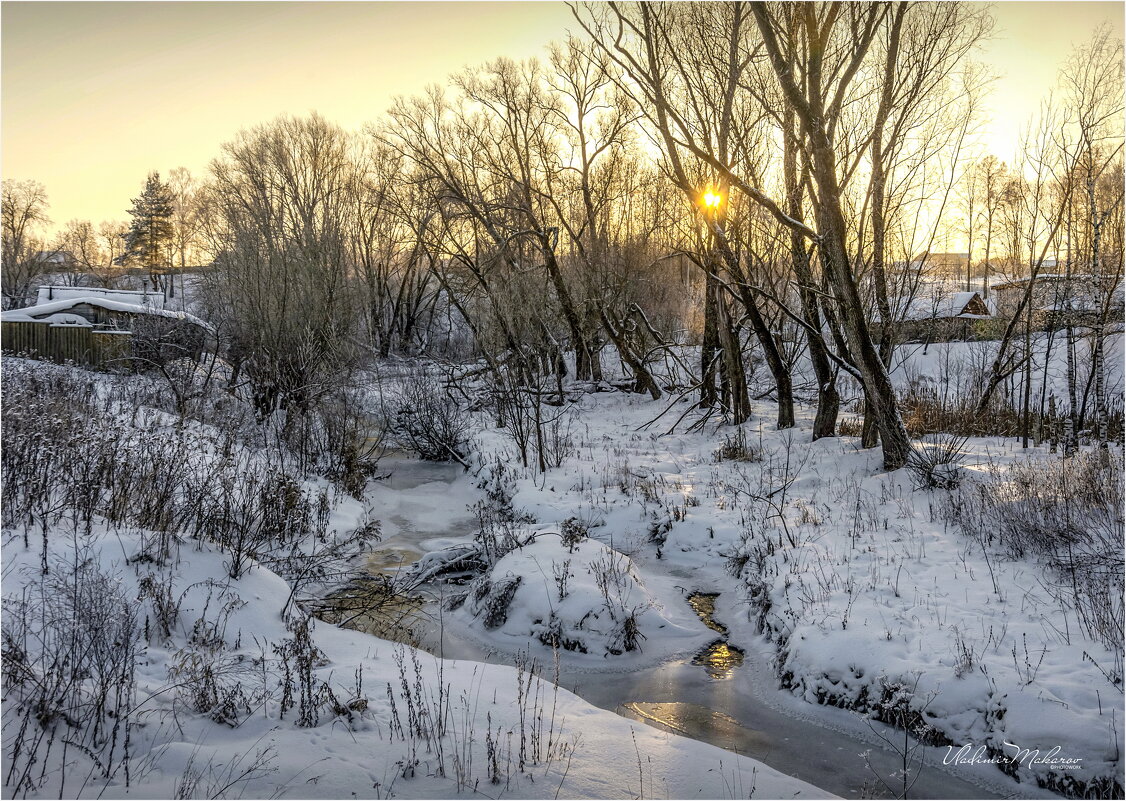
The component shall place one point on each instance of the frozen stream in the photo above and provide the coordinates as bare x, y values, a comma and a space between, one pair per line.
737, 706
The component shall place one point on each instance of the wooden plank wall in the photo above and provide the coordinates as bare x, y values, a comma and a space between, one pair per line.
57, 343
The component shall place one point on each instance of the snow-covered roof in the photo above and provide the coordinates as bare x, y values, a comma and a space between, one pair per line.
41, 312
1087, 303
934, 307
49, 294
1020, 283
63, 318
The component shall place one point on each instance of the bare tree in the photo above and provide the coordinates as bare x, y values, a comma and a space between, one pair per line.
806, 59
111, 240
92, 250
461, 226
992, 175
1073, 147
516, 174
706, 123
187, 223
278, 209
387, 248
1093, 85
923, 55
24, 212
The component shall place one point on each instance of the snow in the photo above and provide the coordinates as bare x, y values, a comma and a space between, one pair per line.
866, 586
375, 735
49, 294
843, 584
934, 307
602, 597
361, 758
953, 367
40, 312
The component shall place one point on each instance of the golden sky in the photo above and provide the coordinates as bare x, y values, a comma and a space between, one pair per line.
95, 95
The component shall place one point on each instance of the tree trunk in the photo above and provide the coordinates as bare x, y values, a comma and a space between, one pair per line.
737, 398
833, 233
643, 380
828, 400
869, 434
779, 370
710, 343
583, 371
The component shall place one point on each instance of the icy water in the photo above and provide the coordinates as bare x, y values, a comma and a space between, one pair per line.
725, 695
720, 658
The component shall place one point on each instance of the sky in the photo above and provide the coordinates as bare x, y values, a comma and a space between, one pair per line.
95, 95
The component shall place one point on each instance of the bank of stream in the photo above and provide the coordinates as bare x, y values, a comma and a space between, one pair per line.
725, 694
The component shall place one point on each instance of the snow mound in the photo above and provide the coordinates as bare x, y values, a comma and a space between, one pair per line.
584, 598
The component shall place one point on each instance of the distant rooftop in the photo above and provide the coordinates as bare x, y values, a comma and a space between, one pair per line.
1017, 283
48, 294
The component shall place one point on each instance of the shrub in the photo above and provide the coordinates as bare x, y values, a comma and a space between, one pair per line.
424, 418
71, 458
936, 464
927, 409
71, 642
572, 531
534, 416
494, 597
736, 449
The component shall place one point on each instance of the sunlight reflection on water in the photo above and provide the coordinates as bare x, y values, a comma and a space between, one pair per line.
719, 659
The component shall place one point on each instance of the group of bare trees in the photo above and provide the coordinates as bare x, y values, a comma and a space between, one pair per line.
278, 210
1064, 208
24, 215
537, 209
820, 127
98, 254
745, 177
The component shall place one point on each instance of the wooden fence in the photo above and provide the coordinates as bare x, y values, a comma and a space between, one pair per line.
63, 343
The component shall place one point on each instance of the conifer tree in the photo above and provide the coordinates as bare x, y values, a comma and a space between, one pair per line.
148, 242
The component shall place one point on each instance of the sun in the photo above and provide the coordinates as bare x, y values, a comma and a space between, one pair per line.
712, 200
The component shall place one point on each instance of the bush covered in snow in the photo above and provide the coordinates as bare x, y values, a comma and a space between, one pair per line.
929, 590
583, 597
1069, 513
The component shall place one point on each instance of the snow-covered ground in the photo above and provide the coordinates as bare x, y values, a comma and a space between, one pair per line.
844, 586
863, 586
867, 594
372, 750
213, 693
952, 367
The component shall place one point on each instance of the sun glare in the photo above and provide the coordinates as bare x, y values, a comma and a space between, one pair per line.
712, 200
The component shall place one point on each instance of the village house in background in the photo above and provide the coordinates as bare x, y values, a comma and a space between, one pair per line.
1059, 300
106, 328
937, 316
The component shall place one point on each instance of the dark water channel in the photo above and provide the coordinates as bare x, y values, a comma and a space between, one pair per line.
721, 695
720, 658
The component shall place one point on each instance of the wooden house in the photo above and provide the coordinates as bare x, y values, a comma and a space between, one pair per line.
100, 331
1058, 299
937, 316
